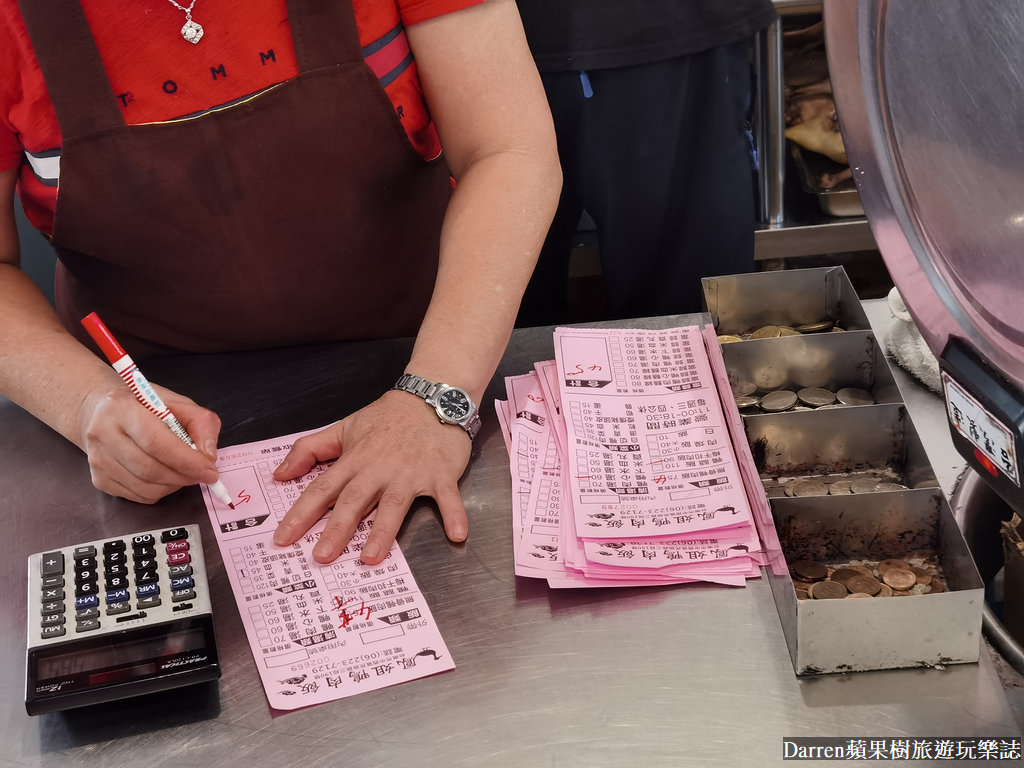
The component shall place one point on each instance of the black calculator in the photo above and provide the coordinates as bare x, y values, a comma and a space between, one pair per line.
118, 617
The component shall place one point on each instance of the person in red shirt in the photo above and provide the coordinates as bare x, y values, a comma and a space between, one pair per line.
240, 175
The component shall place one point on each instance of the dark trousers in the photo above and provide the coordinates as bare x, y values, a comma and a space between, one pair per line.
659, 158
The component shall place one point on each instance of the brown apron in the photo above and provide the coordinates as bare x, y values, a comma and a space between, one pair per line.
303, 214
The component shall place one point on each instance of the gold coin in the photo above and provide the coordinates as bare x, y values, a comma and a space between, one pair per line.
822, 325
810, 570
863, 485
785, 330
827, 590
840, 488
862, 569
802, 594
885, 565
767, 332
885, 591
923, 576
890, 487
843, 575
901, 592
837, 329
899, 579
804, 585
859, 594
806, 488
936, 586
862, 583
728, 338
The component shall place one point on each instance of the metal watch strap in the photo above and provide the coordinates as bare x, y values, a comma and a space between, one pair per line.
429, 391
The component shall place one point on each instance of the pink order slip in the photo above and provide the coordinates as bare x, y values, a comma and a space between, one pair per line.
317, 632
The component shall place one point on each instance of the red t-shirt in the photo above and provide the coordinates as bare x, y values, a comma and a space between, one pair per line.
156, 75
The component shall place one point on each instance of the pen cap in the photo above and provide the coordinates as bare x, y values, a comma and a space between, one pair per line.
103, 338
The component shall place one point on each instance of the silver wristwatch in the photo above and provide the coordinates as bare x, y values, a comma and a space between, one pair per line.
453, 405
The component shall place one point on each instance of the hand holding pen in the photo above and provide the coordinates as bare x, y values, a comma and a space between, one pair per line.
143, 390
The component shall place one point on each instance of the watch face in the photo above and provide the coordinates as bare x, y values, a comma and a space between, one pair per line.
454, 405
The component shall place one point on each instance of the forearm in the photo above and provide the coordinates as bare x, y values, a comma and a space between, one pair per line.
42, 367
493, 230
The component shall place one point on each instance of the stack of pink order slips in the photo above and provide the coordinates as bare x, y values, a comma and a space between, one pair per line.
628, 467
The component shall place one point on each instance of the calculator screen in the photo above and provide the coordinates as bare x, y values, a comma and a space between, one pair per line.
120, 655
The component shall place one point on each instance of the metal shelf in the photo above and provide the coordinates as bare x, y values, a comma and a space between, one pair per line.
789, 227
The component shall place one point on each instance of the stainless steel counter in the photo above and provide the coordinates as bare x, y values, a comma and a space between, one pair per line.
674, 676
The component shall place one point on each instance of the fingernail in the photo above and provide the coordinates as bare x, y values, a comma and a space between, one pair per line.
210, 448
282, 536
459, 532
281, 467
371, 550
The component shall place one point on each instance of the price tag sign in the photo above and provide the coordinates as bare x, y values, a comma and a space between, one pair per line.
980, 428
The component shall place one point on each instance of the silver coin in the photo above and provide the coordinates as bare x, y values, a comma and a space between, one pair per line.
854, 396
780, 400
864, 485
816, 396
741, 388
747, 401
802, 488
823, 325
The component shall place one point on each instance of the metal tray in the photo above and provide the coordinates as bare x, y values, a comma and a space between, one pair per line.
840, 200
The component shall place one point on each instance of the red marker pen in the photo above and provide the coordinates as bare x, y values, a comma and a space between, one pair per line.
142, 389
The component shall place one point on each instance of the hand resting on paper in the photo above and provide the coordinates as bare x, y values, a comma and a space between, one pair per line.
388, 453
133, 455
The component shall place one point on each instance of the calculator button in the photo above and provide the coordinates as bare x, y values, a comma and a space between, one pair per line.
114, 558
52, 619
87, 625
147, 577
53, 581
176, 546
179, 570
86, 576
87, 613
183, 594
177, 558
53, 607
51, 563
88, 561
87, 601
174, 534
115, 608
53, 630
147, 590
143, 540
116, 570
113, 546
87, 550
144, 553
145, 565
86, 588
149, 602
53, 593
117, 582
117, 595
182, 582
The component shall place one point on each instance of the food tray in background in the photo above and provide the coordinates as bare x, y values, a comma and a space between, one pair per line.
843, 199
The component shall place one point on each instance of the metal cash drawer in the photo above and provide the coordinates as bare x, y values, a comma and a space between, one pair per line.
855, 502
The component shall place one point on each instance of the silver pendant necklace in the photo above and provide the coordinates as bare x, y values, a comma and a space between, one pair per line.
191, 32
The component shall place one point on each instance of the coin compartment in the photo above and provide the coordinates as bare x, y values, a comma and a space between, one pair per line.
740, 304
843, 635
872, 441
832, 361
